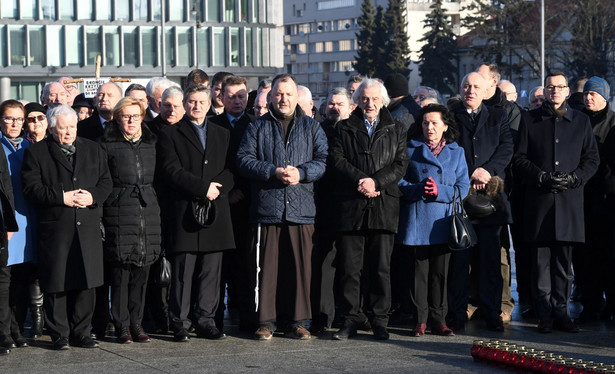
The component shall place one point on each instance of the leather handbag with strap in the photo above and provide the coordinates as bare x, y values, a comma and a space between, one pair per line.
461, 235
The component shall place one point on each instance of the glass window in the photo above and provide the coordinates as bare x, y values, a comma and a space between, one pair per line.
149, 46
235, 50
103, 10
229, 10
2, 45
74, 39
184, 46
122, 10
28, 9
9, 9
249, 46
94, 46
112, 46
131, 45
15, 90
175, 10
140, 10
169, 38
213, 10
55, 41
30, 91
37, 45
259, 46
203, 49
84, 10
17, 35
156, 11
243, 11
301, 48
49, 9
67, 9
219, 47
255, 11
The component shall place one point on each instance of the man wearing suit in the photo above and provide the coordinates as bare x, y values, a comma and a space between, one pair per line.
106, 97
488, 144
235, 263
193, 156
67, 178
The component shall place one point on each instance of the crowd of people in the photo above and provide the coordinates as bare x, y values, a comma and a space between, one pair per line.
300, 219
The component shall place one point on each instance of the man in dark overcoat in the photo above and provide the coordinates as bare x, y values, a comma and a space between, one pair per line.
369, 157
67, 179
194, 160
557, 154
488, 145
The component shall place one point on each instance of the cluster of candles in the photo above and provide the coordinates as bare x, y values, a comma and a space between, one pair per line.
529, 360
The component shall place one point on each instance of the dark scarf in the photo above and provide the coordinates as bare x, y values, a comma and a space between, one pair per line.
560, 112
434, 147
68, 150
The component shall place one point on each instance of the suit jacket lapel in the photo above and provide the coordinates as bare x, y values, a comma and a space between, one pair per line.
58, 155
186, 130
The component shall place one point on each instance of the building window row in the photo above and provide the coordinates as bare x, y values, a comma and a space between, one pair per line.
136, 10
55, 45
320, 67
314, 27
319, 47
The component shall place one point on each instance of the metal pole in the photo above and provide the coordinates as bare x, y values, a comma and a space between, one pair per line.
542, 42
164, 43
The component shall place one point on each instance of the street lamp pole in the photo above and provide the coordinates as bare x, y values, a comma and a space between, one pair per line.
542, 42
164, 44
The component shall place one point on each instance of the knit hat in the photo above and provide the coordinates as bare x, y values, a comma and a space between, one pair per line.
34, 107
396, 85
598, 85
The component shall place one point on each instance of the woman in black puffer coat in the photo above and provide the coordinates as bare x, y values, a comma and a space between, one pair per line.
131, 216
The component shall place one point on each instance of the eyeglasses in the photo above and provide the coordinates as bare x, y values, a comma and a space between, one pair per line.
134, 117
9, 120
556, 88
39, 118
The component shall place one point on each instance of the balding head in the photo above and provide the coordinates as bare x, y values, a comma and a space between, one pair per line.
54, 94
473, 90
509, 90
106, 97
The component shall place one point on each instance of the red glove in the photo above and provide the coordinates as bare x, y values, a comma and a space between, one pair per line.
431, 188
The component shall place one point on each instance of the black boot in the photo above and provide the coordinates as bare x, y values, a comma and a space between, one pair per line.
38, 321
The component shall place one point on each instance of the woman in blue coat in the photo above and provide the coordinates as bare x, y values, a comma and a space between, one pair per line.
437, 167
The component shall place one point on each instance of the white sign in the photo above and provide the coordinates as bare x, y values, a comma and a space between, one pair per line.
90, 85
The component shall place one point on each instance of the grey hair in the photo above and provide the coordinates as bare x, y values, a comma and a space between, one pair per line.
173, 91
533, 91
306, 91
265, 83
61, 110
156, 83
45, 92
339, 91
432, 93
370, 82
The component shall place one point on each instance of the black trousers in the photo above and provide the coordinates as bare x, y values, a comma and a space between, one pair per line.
200, 271
69, 314
5, 309
324, 267
430, 265
128, 284
23, 276
488, 252
552, 279
367, 252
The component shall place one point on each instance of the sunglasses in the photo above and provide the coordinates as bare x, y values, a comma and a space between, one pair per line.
39, 118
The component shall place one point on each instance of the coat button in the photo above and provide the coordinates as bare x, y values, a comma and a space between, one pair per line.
74, 179
556, 140
556, 162
78, 223
424, 170
206, 162
475, 138
475, 156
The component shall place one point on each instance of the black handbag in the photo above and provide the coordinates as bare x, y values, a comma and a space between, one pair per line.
461, 235
478, 205
204, 212
163, 274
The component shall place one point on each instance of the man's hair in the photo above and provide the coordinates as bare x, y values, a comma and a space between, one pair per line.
555, 74
370, 82
339, 91
533, 91
60, 110
306, 91
195, 88
355, 78
265, 83
157, 83
45, 92
172, 91
219, 76
234, 80
134, 87
494, 71
432, 93
580, 83
197, 76
283, 78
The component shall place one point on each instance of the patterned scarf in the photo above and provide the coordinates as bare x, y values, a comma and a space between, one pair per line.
434, 147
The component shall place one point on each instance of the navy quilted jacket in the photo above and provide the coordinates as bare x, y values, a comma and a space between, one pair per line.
263, 149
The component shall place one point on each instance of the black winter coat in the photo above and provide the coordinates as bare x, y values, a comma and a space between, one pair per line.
383, 157
549, 143
188, 171
131, 215
70, 248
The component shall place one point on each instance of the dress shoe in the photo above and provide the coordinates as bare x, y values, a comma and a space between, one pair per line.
346, 332
7, 342
364, 326
457, 325
380, 332
210, 332
85, 342
442, 330
124, 335
528, 313
4, 351
263, 333
139, 335
181, 336
495, 324
545, 325
299, 333
20, 341
566, 325
419, 329
61, 344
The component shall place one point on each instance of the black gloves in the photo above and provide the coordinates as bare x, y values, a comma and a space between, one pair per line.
558, 181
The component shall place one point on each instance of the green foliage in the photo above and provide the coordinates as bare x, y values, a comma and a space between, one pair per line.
365, 54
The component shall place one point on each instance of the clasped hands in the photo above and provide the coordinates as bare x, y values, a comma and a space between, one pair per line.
367, 186
288, 175
557, 181
78, 198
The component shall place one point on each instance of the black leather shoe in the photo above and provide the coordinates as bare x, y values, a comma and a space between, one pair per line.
566, 325
545, 325
345, 333
181, 336
380, 332
85, 342
7, 342
210, 332
20, 341
364, 326
457, 325
4, 351
495, 324
61, 344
